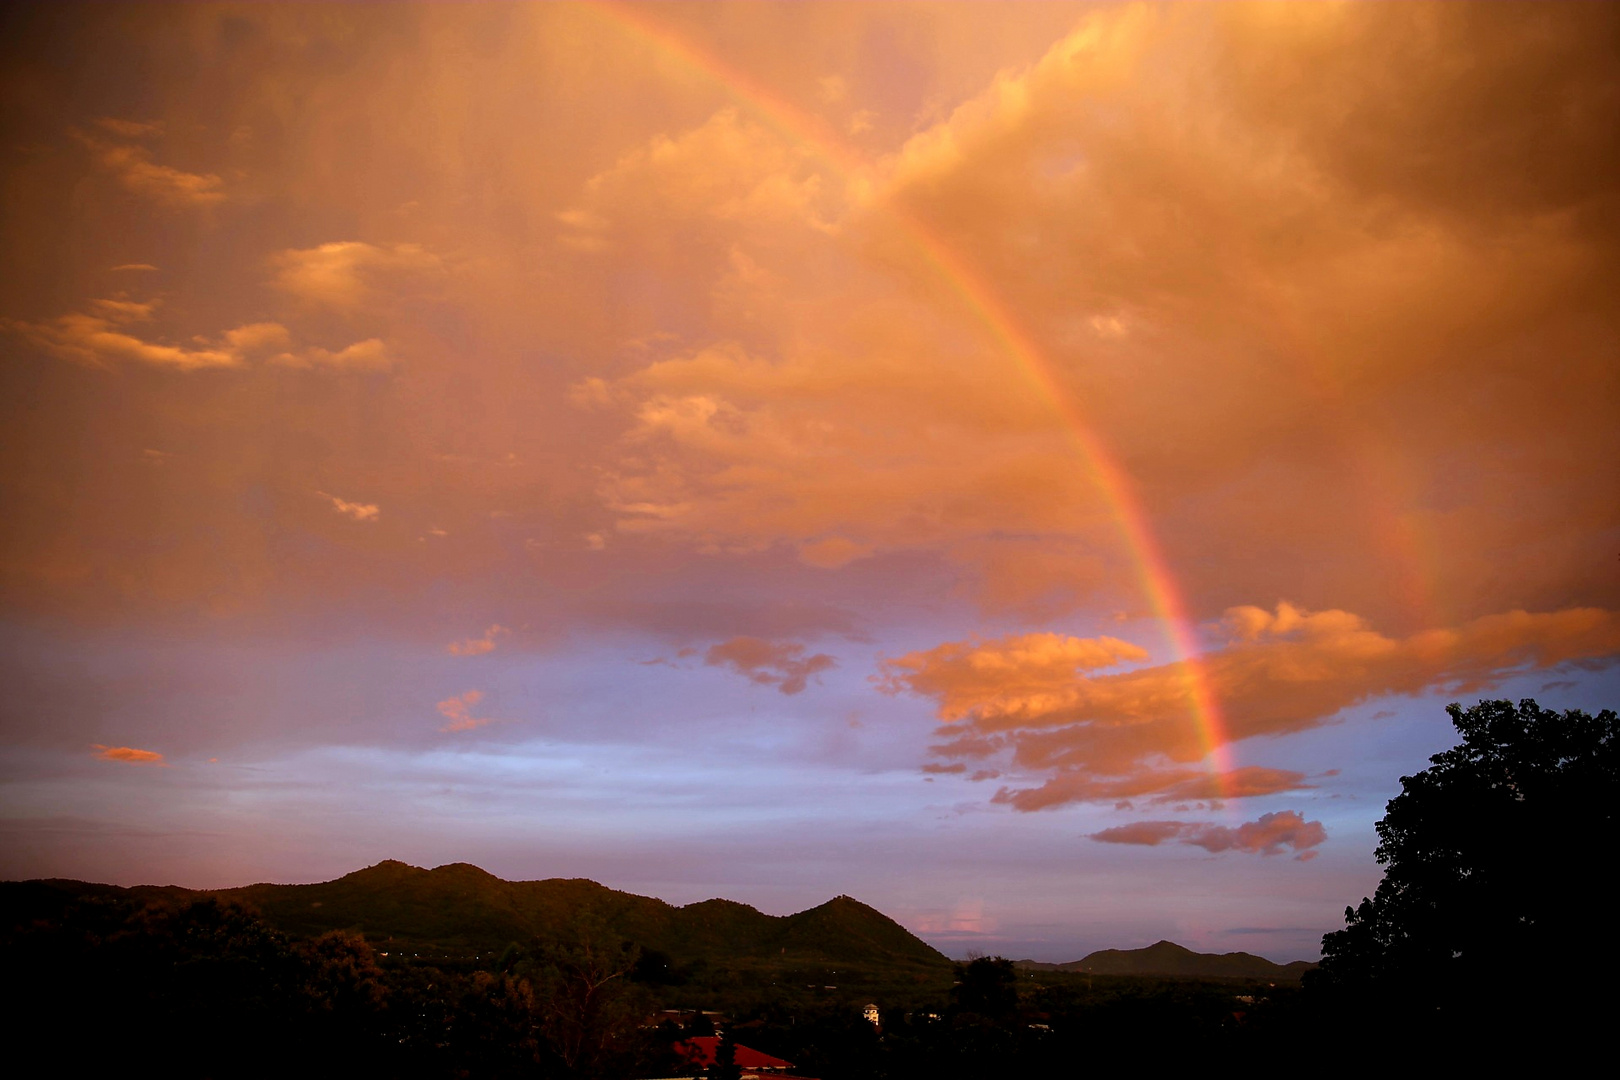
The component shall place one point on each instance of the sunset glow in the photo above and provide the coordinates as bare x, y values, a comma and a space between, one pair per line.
1039, 469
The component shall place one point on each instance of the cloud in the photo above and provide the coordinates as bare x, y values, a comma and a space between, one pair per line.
844, 450
458, 712
779, 664
371, 354
125, 310
978, 676
478, 646
135, 266
105, 338
966, 920
1135, 733
348, 273
137, 172
257, 338
729, 173
1145, 833
130, 129
1267, 836
128, 754
357, 511
1153, 210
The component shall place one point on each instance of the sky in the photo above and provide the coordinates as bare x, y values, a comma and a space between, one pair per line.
1040, 469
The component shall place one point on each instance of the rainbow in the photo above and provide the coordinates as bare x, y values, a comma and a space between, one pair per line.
1157, 583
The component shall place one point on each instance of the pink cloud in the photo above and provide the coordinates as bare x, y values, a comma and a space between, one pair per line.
779, 664
478, 646
128, 754
457, 711
1269, 835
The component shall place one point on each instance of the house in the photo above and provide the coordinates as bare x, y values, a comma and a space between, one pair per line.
699, 1052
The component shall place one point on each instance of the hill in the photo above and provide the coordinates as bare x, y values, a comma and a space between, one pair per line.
463, 911
1167, 959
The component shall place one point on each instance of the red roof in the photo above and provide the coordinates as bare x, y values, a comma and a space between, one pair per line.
699, 1052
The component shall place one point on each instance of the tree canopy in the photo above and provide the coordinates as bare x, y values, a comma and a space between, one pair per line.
1495, 897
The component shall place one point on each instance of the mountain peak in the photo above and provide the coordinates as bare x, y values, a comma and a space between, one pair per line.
1166, 958
463, 870
388, 869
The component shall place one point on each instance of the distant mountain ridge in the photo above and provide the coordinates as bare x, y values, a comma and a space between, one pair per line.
1167, 959
461, 909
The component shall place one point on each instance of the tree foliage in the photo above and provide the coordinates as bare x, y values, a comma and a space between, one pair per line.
1494, 897
986, 986
725, 1058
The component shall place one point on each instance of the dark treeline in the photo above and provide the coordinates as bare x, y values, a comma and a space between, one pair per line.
205, 988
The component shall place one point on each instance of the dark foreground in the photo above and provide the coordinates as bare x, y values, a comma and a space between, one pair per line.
106, 980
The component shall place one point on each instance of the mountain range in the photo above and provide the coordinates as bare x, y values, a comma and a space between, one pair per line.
459, 910
1166, 959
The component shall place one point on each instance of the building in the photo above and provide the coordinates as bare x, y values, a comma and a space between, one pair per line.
754, 1064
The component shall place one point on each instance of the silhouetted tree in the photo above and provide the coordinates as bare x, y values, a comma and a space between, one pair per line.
987, 986
725, 1058
586, 1000
1495, 903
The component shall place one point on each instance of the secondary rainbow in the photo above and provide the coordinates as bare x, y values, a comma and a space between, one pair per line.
1157, 583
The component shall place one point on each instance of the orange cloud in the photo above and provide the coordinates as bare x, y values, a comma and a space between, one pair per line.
348, 273
458, 711
137, 172
130, 129
104, 339
1340, 311
729, 171
127, 754
1267, 836
779, 664
478, 646
101, 340
976, 677
357, 511
257, 338
1185, 251
1132, 733
371, 354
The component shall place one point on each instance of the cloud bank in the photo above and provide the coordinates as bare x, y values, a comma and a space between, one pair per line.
1126, 734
